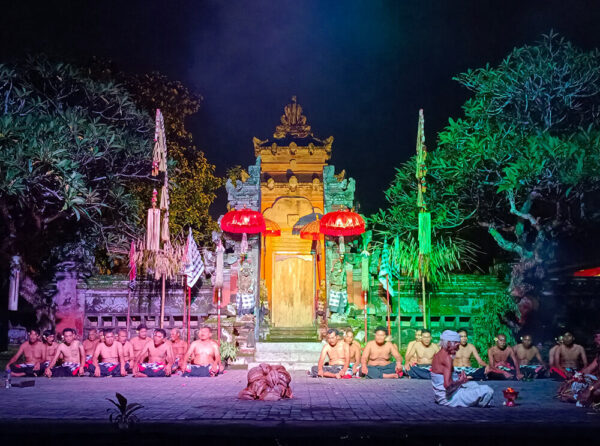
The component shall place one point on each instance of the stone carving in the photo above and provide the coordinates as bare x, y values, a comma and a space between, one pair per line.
293, 122
293, 183
246, 288
247, 192
338, 294
338, 191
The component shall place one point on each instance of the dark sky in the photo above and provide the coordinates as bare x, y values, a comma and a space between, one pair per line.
360, 69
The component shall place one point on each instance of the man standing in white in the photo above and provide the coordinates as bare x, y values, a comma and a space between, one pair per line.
454, 390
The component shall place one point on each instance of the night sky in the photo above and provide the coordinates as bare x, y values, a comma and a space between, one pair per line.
360, 69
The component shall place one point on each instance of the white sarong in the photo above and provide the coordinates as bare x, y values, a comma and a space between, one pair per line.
469, 394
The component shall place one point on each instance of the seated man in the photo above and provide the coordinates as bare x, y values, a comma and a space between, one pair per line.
462, 359
412, 360
89, 346
73, 356
503, 363
454, 390
111, 354
355, 352
568, 358
552, 352
338, 354
423, 351
127, 349
179, 347
139, 342
206, 357
160, 357
375, 360
33, 351
584, 387
530, 361
49, 338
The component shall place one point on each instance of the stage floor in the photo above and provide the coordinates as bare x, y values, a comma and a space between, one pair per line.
335, 407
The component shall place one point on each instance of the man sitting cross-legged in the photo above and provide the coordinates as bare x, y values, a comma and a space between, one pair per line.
49, 339
412, 360
375, 360
530, 361
73, 356
206, 358
355, 352
451, 389
503, 363
462, 359
568, 358
423, 352
89, 346
552, 352
179, 347
160, 357
139, 342
111, 354
34, 351
127, 349
338, 354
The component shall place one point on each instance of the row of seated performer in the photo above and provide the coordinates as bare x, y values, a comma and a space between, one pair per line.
112, 354
342, 358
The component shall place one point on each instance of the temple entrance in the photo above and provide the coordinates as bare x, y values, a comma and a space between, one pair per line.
293, 290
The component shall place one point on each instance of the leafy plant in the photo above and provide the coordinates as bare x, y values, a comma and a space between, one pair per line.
490, 321
228, 351
123, 416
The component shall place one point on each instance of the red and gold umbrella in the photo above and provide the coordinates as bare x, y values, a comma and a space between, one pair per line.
271, 228
341, 224
243, 221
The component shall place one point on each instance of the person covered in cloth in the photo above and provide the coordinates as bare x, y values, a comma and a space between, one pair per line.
451, 389
34, 351
375, 361
338, 354
160, 357
73, 356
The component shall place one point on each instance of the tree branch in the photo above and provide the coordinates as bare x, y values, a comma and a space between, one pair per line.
522, 214
509, 246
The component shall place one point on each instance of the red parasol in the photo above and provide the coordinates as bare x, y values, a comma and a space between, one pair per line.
311, 231
342, 223
271, 228
243, 221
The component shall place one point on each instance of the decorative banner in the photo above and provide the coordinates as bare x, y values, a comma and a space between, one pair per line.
194, 266
132, 265
219, 266
159, 155
13, 291
425, 233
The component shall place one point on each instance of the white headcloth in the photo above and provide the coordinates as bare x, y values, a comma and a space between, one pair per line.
450, 336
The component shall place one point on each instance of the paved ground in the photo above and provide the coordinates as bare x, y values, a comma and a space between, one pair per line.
342, 409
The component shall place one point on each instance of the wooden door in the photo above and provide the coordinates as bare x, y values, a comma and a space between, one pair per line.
293, 290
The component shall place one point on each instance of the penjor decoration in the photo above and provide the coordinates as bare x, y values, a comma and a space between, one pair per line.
424, 215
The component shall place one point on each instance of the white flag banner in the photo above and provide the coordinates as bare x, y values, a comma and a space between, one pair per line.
194, 266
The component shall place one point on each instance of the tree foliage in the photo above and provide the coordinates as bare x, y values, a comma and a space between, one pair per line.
70, 149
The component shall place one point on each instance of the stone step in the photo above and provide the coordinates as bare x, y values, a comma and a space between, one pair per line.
289, 366
292, 334
287, 352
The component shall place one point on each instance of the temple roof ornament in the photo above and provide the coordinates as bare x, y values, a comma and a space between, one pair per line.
293, 122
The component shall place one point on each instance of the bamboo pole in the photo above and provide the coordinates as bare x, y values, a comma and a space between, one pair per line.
162, 303
366, 299
128, 323
423, 295
398, 318
219, 316
189, 314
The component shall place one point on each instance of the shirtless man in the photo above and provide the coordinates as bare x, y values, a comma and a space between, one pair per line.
111, 353
454, 390
375, 360
552, 352
462, 358
90, 344
503, 363
178, 345
423, 351
73, 356
206, 358
568, 358
34, 353
338, 353
160, 357
127, 348
355, 351
530, 361
49, 339
139, 342
410, 348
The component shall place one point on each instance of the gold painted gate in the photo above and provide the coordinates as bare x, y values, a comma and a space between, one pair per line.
293, 290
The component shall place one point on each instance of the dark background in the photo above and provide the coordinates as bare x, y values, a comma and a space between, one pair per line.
360, 69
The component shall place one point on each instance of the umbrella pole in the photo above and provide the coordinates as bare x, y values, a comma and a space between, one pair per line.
424, 303
128, 323
366, 300
183, 322
387, 292
219, 316
189, 314
399, 320
162, 303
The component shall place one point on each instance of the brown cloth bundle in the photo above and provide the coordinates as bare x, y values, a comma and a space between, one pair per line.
268, 383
